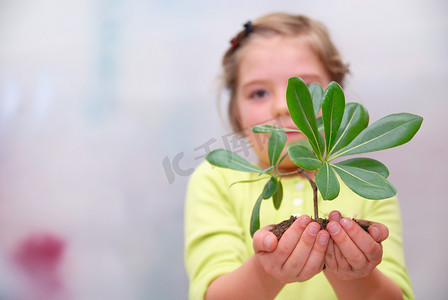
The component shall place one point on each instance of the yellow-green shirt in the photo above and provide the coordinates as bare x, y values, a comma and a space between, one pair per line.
217, 220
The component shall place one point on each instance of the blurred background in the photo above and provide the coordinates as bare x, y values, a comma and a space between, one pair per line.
107, 106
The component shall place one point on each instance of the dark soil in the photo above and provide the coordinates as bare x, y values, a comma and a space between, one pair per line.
280, 228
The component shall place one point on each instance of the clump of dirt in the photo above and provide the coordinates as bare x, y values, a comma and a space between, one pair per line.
280, 228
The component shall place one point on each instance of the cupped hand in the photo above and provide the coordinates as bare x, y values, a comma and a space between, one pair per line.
298, 256
352, 252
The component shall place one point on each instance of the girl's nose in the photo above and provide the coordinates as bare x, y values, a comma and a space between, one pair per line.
279, 106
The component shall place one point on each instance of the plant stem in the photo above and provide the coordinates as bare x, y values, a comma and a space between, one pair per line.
289, 173
314, 186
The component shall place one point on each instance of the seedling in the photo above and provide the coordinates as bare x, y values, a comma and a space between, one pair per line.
346, 132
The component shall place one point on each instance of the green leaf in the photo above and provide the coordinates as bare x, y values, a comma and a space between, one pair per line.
276, 143
367, 164
255, 218
390, 131
247, 181
327, 182
227, 159
270, 169
301, 109
281, 159
270, 128
320, 124
367, 184
269, 188
355, 120
304, 143
316, 92
332, 112
304, 158
278, 195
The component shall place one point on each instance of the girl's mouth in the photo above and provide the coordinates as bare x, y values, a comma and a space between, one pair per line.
293, 134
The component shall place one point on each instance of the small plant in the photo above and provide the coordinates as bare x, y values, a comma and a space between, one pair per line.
346, 132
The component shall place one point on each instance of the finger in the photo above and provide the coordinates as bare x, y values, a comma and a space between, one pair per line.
349, 250
341, 261
330, 256
264, 240
371, 249
289, 240
316, 259
335, 215
379, 232
300, 254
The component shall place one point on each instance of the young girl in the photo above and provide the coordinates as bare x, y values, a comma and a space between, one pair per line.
343, 261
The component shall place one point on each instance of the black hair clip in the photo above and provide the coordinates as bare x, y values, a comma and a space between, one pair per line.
248, 28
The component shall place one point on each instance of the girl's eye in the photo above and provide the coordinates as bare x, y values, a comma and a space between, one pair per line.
258, 94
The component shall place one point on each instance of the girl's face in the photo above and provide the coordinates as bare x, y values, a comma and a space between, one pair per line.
266, 64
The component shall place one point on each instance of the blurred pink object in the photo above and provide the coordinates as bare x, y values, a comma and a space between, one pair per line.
39, 257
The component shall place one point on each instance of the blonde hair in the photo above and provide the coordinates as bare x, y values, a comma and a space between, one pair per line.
287, 25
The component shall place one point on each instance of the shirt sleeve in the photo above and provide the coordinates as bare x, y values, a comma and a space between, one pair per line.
393, 264
213, 236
